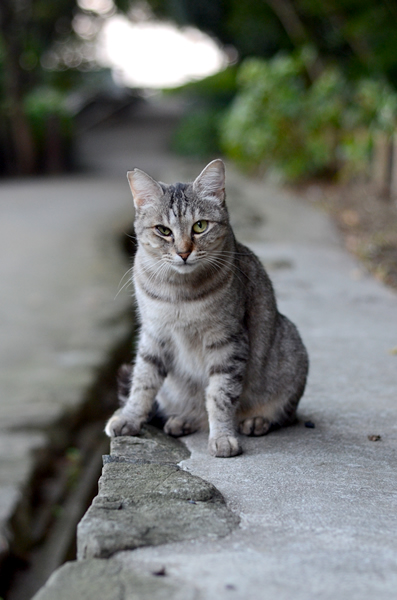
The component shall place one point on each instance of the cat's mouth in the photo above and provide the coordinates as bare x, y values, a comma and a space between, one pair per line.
185, 267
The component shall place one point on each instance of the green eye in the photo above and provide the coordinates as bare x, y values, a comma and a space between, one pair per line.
200, 226
163, 230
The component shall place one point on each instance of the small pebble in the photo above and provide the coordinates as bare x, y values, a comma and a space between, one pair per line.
374, 438
160, 573
309, 424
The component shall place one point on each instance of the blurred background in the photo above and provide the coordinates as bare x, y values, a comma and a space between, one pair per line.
301, 90
302, 87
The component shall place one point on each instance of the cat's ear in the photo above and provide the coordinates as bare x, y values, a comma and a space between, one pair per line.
145, 190
211, 181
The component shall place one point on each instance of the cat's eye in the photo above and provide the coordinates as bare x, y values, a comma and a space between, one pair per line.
163, 230
200, 226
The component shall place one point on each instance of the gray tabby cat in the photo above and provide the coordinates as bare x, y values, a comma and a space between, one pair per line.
213, 349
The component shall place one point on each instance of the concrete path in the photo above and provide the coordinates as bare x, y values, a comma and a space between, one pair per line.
60, 267
316, 506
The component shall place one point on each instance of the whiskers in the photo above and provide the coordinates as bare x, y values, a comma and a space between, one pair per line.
224, 260
161, 270
127, 274
158, 270
145, 264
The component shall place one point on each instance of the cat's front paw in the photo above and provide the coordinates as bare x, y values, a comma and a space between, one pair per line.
177, 426
119, 424
224, 446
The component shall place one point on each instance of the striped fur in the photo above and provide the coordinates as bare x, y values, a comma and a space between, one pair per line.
213, 350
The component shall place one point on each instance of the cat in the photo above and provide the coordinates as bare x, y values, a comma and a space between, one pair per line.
213, 349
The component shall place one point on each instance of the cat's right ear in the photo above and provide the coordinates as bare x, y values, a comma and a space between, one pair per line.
211, 181
145, 190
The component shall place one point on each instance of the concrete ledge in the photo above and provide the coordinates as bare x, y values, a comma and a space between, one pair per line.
146, 499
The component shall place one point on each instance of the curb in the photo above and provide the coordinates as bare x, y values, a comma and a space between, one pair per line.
144, 499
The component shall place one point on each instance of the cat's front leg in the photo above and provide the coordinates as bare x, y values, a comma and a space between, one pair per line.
148, 375
222, 394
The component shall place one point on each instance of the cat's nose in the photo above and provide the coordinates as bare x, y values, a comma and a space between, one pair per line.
184, 255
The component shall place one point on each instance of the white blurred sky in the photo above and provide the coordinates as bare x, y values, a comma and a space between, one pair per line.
147, 53
151, 54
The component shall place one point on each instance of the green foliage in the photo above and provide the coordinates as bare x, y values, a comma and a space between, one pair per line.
197, 134
218, 89
42, 57
377, 105
266, 124
73, 466
280, 121
358, 35
52, 128
198, 130
44, 104
253, 28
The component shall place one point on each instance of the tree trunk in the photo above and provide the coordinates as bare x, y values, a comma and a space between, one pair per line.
20, 131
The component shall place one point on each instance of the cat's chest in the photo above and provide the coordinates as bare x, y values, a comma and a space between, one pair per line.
183, 328
166, 316
188, 353
186, 325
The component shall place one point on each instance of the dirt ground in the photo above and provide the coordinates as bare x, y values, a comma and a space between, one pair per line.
367, 221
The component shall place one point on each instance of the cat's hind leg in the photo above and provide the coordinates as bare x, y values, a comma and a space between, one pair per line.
284, 380
275, 411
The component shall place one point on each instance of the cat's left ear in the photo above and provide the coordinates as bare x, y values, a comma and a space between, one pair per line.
211, 181
145, 190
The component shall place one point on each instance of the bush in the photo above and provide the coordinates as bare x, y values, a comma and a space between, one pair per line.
198, 131
264, 123
52, 128
279, 120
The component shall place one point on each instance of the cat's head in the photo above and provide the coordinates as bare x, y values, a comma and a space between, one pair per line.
181, 225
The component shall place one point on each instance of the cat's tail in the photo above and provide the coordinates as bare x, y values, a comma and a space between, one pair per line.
124, 377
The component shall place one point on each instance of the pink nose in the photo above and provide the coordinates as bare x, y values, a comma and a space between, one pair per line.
184, 255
